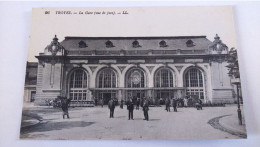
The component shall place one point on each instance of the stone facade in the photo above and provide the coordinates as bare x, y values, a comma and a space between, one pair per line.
30, 81
89, 68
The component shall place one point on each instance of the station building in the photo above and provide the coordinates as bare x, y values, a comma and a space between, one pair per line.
30, 81
88, 68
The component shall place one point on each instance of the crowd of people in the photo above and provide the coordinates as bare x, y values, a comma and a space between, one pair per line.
135, 103
131, 105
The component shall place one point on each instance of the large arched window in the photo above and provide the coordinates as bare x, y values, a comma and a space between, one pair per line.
107, 78
164, 78
135, 78
194, 83
78, 85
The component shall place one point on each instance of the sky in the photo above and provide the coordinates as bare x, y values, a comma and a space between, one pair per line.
139, 21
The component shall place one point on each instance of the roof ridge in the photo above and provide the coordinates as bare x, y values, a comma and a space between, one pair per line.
138, 37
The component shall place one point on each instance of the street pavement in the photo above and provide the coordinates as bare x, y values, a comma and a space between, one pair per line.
94, 123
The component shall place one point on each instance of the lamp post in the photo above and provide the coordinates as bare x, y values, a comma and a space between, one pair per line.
57, 49
235, 75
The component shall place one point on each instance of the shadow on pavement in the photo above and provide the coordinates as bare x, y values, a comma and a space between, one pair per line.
154, 119
50, 126
120, 116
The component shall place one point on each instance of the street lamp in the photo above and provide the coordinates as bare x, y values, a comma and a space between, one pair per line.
57, 49
234, 72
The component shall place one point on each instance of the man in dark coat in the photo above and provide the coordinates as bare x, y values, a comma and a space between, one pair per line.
137, 103
145, 109
174, 104
65, 106
111, 106
142, 102
122, 104
199, 104
167, 103
130, 108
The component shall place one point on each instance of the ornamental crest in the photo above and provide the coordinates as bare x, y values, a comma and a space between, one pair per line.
217, 45
55, 46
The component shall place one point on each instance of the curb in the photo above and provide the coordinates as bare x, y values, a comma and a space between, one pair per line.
214, 122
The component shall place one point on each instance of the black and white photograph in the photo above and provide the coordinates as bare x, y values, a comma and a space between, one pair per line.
133, 73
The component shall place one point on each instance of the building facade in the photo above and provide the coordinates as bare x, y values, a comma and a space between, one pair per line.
30, 81
88, 68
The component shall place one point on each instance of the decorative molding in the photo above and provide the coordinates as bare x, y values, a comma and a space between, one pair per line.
79, 61
136, 61
193, 60
150, 68
93, 68
164, 60
121, 68
107, 61
179, 68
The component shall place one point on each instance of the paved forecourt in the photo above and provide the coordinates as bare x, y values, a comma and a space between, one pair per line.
94, 123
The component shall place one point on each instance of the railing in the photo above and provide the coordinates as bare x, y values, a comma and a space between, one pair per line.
82, 103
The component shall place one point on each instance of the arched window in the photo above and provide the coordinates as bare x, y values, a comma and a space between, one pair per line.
136, 44
163, 44
163, 78
194, 83
109, 44
78, 85
107, 78
135, 78
82, 44
190, 43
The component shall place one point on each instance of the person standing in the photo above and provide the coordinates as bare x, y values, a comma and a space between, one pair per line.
174, 104
65, 106
142, 102
102, 102
137, 103
111, 106
167, 103
130, 107
145, 109
96, 101
121, 104
185, 101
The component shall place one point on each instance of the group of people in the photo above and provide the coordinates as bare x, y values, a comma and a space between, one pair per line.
131, 102
168, 103
130, 107
183, 102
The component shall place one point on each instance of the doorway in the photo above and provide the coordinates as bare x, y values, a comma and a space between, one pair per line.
106, 96
136, 93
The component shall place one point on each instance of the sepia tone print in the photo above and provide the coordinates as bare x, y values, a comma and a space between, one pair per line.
152, 87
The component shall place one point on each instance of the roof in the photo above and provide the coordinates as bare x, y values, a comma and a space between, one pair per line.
146, 43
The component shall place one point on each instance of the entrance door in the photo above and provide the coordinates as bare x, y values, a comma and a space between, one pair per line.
164, 94
136, 93
106, 97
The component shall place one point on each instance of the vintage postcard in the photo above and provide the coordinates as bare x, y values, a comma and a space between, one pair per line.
132, 74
